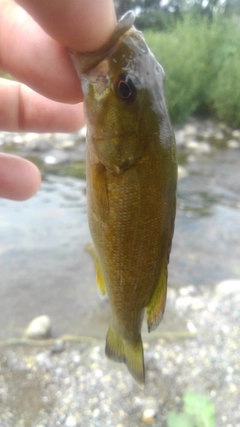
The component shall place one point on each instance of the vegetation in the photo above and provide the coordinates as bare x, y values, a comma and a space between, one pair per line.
198, 411
197, 42
202, 64
159, 14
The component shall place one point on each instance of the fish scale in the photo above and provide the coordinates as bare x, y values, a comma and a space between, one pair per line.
131, 185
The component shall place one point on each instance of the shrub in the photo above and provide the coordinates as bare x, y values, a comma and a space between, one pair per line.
224, 93
202, 64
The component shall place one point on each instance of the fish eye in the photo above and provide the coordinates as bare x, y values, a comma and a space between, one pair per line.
126, 89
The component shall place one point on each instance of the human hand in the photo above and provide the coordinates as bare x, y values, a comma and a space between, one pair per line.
32, 50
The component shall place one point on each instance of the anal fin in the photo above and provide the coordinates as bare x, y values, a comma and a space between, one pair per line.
155, 308
99, 279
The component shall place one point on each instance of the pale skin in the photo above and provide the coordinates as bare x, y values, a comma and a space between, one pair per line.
33, 36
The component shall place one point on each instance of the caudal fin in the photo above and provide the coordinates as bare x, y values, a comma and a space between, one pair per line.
128, 352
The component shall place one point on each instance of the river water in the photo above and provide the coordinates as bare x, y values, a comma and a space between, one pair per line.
45, 268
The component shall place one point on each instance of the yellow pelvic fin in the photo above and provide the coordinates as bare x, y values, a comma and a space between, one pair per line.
99, 279
155, 308
128, 352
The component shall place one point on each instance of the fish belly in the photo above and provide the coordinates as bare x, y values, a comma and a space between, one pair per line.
131, 225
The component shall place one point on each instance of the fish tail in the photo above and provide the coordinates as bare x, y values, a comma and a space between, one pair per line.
128, 352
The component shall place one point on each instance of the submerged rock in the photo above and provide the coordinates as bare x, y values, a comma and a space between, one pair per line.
39, 328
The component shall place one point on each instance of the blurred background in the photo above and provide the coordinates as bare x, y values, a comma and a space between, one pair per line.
45, 267
45, 253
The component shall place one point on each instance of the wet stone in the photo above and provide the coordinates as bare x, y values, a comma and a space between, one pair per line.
180, 138
182, 172
219, 135
199, 147
38, 328
65, 145
83, 133
148, 416
228, 287
71, 421
236, 134
190, 130
233, 143
149, 410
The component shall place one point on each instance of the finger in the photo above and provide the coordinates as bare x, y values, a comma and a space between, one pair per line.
21, 109
83, 25
34, 58
19, 178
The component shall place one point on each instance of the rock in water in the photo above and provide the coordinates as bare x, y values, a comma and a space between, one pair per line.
39, 328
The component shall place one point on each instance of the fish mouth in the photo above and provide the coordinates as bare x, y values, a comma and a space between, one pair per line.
84, 62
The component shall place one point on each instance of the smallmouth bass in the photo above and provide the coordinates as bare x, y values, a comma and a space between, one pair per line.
131, 185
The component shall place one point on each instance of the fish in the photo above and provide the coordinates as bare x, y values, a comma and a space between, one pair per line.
131, 174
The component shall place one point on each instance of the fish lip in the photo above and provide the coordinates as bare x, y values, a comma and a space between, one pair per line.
85, 61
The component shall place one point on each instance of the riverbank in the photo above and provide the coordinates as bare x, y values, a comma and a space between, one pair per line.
70, 383
45, 269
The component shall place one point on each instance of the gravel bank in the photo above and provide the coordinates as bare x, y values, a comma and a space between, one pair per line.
70, 383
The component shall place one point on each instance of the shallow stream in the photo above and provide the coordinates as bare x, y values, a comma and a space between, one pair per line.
45, 268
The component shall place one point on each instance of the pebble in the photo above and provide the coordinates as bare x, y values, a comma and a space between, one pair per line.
228, 287
191, 327
68, 143
39, 328
219, 135
150, 409
236, 134
223, 126
187, 290
83, 132
148, 416
206, 133
182, 172
190, 129
180, 137
233, 143
70, 421
74, 395
18, 139
199, 147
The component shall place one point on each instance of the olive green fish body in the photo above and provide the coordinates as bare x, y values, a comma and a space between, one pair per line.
131, 185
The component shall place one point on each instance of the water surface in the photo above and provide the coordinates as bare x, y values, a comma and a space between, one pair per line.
45, 268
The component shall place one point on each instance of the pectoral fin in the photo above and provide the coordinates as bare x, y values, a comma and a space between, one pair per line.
99, 279
155, 309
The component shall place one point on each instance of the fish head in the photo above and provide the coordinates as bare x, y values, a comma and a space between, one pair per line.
124, 98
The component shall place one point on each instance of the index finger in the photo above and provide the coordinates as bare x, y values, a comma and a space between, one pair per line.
35, 58
82, 25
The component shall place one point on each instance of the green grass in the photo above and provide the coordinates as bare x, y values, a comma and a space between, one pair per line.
198, 411
202, 65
